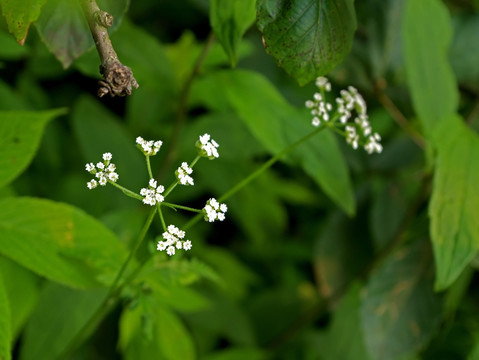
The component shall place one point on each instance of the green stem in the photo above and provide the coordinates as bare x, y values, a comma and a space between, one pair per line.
175, 206
258, 172
148, 166
162, 219
111, 298
126, 191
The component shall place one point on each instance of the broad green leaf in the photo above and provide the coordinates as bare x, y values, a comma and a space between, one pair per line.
20, 135
344, 339
276, 125
5, 327
455, 201
22, 287
20, 14
400, 311
59, 242
229, 20
152, 331
426, 35
307, 38
60, 314
64, 29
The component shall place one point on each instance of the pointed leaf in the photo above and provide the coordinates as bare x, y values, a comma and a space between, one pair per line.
427, 33
20, 135
400, 311
59, 242
307, 38
455, 201
20, 14
229, 20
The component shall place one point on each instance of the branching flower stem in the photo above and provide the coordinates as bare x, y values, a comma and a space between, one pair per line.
262, 169
117, 78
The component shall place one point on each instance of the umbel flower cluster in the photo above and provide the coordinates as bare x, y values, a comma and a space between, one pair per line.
155, 194
350, 115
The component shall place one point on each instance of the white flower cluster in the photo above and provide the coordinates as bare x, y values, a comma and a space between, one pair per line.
213, 210
152, 194
183, 174
350, 102
103, 171
207, 147
173, 240
150, 147
319, 107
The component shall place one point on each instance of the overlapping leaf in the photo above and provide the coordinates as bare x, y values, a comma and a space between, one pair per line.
19, 14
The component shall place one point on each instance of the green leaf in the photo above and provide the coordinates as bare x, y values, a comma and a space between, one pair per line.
343, 340
276, 125
22, 287
237, 353
20, 135
229, 20
455, 201
59, 242
427, 33
60, 314
307, 38
20, 14
64, 29
400, 311
5, 330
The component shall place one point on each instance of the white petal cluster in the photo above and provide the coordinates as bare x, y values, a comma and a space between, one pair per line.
183, 174
207, 147
319, 107
213, 210
349, 102
172, 241
153, 193
103, 171
150, 147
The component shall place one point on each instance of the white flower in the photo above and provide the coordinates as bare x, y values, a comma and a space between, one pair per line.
373, 145
183, 174
207, 147
149, 148
153, 193
213, 210
319, 107
172, 241
103, 171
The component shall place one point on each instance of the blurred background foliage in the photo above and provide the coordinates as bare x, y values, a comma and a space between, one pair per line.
294, 272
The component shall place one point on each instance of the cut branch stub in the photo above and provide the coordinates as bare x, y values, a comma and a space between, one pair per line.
117, 79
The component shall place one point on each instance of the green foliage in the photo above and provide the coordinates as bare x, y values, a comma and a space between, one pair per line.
229, 20
325, 252
21, 133
5, 327
59, 242
20, 14
307, 38
64, 29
